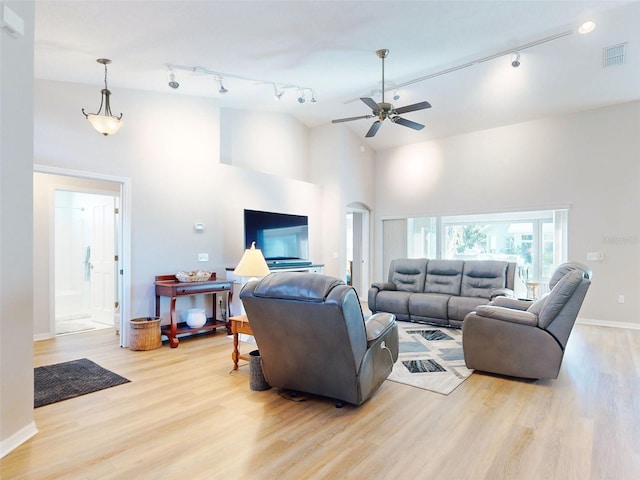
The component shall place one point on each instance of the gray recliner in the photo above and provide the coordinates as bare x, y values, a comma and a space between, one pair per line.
313, 338
526, 338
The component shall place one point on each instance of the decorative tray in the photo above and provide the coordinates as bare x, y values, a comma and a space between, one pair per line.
193, 276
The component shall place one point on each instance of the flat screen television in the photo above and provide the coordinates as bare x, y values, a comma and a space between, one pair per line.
282, 237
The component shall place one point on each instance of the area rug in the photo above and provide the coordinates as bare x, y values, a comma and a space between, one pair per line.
430, 358
54, 383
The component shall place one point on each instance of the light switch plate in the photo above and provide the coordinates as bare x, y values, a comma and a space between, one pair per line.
203, 257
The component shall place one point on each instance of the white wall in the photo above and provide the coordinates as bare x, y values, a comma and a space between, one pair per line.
265, 142
588, 162
346, 174
169, 147
16, 232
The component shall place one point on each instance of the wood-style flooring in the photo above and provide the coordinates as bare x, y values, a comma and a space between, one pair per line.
186, 415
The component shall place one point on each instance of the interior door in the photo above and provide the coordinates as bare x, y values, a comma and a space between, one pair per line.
103, 261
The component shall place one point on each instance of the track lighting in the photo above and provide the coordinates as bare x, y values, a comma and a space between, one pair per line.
173, 83
277, 93
221, 89
278, 88
515, 59
108, 123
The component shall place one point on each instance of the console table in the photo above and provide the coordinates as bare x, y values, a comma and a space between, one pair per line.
168, 286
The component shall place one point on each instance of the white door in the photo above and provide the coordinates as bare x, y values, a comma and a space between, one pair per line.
103, 261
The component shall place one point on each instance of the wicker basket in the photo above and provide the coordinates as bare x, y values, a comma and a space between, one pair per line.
257, 381
145, 333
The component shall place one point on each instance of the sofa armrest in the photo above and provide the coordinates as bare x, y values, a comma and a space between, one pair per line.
373, 293
378, 325
507, 315
514, 303
501, 292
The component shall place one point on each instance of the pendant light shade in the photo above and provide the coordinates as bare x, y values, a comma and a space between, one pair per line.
105, 123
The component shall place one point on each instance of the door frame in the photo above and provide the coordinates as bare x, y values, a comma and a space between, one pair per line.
361, 250
124, 283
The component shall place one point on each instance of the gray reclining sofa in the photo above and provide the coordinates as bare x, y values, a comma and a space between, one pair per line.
440, 292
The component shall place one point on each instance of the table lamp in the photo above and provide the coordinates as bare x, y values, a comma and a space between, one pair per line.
252, 264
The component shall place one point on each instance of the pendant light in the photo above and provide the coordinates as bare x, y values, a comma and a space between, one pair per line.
107, 123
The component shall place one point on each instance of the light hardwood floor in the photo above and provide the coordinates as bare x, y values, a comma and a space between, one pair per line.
186, 416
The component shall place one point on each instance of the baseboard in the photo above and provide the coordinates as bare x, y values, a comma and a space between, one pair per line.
14, 441
607, 323
43, 336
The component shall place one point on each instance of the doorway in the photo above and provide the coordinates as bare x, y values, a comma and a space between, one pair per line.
86, 246
358, 249
47, 181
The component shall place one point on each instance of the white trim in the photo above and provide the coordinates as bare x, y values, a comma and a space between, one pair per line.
125, 207
607, 323
38, 337
9, 444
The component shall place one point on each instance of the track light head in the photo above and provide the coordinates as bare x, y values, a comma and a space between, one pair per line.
277, 94
301, 96
222, 89
396, 95
173, 83
313, 97
515, 59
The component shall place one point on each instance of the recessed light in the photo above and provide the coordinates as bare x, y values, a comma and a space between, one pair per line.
587, 27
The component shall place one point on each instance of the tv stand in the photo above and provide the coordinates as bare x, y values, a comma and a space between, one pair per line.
311, 268
288, 264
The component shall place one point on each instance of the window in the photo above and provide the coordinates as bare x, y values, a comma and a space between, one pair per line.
535, 240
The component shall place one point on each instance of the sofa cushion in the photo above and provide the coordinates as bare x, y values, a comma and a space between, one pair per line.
444, 276
481, 277
394, 302
459, 307
430, 305
408, 274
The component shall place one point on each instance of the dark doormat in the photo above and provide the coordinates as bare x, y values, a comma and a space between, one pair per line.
54, 383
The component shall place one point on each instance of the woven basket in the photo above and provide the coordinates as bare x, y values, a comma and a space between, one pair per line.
145, 333
257, 381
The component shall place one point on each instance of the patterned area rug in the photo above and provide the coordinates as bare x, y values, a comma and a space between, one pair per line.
430, 358
54, 383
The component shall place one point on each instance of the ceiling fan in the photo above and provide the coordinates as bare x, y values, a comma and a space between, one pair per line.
384, 110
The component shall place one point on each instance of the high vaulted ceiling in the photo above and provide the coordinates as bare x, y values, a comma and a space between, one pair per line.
329, 47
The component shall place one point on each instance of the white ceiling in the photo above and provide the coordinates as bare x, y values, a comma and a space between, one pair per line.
330, 46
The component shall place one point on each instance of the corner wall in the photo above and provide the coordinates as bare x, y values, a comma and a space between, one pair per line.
16, 232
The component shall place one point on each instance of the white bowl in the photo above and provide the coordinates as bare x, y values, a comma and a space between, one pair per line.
196, 317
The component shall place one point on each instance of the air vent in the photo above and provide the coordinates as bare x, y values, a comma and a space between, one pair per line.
613, 55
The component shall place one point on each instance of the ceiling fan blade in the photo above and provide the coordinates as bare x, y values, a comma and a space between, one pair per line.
371, 103
340, 120
374, 128
407, 123
413, 108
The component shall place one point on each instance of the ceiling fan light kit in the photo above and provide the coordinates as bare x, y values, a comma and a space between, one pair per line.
384, 110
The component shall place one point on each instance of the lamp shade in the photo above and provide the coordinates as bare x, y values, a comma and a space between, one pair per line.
105, 124
252, 263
